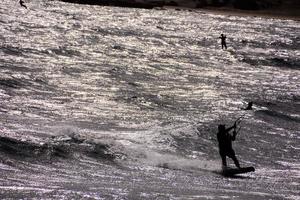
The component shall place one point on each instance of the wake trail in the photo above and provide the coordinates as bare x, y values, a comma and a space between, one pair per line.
175, 162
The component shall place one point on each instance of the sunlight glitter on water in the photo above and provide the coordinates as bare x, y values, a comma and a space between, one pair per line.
152, 85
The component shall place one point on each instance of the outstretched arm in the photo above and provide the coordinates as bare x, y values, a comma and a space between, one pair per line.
233, 135
232, 127
22, 4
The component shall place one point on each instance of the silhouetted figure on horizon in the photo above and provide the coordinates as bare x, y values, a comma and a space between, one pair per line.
225, 144
22, 4
223, 41
249, 107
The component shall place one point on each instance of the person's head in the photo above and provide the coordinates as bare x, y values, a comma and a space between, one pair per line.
221, 127
249, 107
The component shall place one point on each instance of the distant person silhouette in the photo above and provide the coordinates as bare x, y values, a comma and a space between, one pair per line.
249, 107
22, 4
223, 41
225, 144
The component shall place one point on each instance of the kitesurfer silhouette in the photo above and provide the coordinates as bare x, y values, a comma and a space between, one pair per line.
225, 144
22, 4
223, 41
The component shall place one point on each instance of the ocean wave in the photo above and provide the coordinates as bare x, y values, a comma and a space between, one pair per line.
64, 147
274, 61
278, 115
11, 83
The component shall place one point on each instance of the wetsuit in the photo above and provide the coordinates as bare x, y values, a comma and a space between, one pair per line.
223, 41
225, 146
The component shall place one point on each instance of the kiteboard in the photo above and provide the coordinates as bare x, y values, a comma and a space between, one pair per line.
234, 171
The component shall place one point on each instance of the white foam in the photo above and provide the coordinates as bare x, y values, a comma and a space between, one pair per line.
180, 163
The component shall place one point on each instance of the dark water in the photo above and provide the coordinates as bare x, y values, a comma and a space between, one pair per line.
117, 103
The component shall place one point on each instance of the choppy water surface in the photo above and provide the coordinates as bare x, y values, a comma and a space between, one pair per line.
116, 103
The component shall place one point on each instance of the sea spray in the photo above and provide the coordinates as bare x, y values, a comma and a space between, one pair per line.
175, 162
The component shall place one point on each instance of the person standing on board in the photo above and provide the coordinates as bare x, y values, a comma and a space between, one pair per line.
225, 144
223, 41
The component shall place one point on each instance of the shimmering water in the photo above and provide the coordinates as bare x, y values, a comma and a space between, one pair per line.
117, 103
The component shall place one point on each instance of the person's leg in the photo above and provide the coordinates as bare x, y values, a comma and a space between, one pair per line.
224, 163
235, 160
